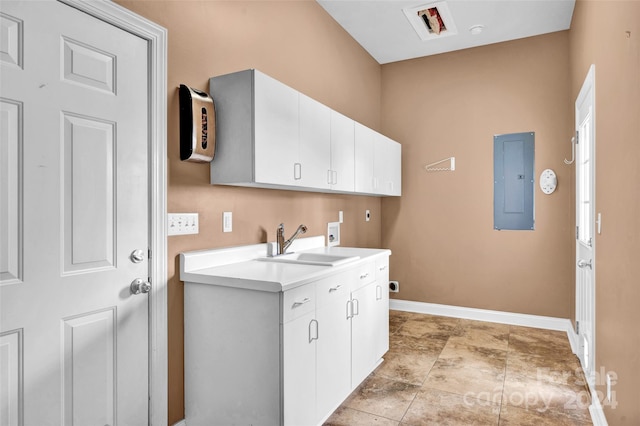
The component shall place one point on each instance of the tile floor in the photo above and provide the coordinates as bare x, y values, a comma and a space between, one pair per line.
449, 371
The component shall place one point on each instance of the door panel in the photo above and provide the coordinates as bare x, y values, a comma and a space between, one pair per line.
88, 192
74, 94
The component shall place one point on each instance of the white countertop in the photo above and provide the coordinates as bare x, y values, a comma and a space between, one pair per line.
238, 266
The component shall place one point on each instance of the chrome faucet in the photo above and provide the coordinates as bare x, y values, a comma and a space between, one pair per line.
284, 245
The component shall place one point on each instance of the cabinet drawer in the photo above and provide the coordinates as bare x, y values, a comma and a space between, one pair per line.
298, 301
333, 288
364, 274
382, 270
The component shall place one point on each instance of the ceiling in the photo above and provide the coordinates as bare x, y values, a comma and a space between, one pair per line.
387, 32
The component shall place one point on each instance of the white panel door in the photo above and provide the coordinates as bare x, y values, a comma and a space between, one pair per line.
585, 223
74, 207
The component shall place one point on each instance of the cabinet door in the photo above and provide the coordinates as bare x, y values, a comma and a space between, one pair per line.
315, 144
363, 159
276, 131
386, 165
299, 370
381, 321
394, 153
342, 172
363, 333
333, 347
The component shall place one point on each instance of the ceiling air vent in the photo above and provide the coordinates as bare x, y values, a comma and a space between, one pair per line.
431, 21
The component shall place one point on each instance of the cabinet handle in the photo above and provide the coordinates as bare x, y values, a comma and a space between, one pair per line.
335, 288
334, 178
378, 292
311, 338
349, 309
329, 177
382, 268
302, 302
297, 171
356, 306
363, 276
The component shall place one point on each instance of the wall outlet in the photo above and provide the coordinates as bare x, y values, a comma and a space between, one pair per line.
227, 221
394, 286
182, 223
367, 215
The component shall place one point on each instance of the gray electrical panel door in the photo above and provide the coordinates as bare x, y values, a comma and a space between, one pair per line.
513, 158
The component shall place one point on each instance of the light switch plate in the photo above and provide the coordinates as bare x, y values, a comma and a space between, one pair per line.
182, 223
227, 221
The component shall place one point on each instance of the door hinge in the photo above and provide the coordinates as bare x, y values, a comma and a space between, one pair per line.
577, 232
577, 327
577, 137
149, 255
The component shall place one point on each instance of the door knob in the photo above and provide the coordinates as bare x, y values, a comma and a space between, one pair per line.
140, 286
584, 264
137, 256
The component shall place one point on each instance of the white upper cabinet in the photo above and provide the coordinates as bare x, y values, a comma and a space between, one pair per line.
377, 163
269, 135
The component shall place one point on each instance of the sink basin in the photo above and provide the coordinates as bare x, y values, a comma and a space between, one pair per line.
320, 259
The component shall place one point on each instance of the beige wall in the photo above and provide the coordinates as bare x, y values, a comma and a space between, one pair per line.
616, 56
299, 44
445, 249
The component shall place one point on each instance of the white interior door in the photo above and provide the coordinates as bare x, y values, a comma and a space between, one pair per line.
74, 190
585, 223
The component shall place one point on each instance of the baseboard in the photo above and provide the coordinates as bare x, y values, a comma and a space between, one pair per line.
525, 320
182, 422
596, 411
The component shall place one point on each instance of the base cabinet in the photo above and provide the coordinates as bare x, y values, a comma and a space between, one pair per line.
288, 358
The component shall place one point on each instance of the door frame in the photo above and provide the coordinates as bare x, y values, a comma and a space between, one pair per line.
156, 37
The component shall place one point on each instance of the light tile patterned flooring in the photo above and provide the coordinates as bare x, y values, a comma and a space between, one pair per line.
449, 371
